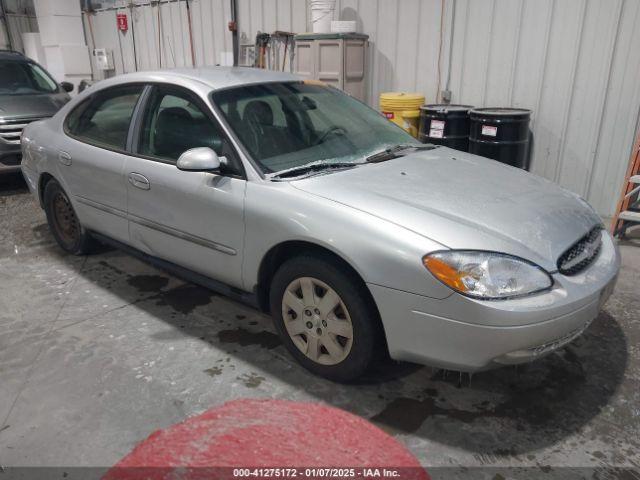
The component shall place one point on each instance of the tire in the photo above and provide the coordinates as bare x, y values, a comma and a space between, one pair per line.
63, 222
312, 341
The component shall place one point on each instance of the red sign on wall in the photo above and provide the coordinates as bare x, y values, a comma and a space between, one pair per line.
123, 22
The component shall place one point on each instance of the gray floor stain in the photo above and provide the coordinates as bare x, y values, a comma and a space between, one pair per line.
213, 371
251, 380
148, 283
185, 298
406, 415
244, 338
108, 266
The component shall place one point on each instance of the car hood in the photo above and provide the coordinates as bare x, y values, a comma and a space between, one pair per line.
25, 106
463, 201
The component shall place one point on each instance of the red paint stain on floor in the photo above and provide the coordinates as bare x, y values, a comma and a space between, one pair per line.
264, 433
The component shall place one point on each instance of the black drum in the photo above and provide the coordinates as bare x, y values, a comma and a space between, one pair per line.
444, 124
501, 134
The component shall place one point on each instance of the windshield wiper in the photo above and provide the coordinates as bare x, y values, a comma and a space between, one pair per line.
311, 169
395, 152
386, 154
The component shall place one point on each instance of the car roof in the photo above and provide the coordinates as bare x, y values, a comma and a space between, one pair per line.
12, 55
213, 77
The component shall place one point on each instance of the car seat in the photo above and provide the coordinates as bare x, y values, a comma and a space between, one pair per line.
173, 132
258, 132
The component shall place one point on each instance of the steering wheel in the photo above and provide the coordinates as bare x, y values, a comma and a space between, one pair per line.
333, 129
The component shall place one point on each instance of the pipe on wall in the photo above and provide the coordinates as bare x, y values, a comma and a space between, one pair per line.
133, 37
233, 26
3, 13
193, 51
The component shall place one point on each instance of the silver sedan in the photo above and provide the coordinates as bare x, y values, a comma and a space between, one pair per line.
295, 197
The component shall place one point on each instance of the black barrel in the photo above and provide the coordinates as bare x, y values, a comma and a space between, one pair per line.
444, 124
501, 134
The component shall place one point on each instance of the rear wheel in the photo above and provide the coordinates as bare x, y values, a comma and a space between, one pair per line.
324, 317
63, 221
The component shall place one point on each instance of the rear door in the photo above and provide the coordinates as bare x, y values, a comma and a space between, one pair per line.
193, 219
92, 158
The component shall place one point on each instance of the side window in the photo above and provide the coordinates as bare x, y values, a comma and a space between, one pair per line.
173, 124
104, 119
44, 81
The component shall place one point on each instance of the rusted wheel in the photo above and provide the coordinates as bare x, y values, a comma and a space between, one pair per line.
63, 221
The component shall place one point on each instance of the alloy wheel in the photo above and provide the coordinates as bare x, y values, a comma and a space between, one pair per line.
317, 321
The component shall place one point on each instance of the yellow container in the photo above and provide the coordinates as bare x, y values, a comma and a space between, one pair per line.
403, 109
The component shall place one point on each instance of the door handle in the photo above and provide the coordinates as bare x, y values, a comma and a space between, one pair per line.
139, 181
64, 158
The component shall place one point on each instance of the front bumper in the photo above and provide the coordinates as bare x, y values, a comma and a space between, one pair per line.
460, 333
10, 156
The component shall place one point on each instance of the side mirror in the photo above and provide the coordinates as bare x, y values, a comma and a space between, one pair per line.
201, 159
67, 86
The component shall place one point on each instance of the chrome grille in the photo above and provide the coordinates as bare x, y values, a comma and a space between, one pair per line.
582, 253
11, 130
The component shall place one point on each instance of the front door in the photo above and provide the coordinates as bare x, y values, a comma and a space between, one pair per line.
193, 219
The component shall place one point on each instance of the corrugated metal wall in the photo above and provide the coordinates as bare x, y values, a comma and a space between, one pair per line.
161, 34
16, 25
19, 18
575, 63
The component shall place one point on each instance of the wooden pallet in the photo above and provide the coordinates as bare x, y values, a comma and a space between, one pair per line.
627, 212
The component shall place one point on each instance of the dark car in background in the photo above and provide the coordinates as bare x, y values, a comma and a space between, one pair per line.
27, 93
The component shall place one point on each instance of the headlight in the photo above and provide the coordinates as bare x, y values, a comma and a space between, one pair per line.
487, 275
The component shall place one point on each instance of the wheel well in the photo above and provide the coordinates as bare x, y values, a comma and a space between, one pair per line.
287, 250
42, 183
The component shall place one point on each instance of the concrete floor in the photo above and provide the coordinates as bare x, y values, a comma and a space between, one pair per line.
97, 352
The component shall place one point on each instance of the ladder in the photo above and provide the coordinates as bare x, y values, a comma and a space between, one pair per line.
628, 210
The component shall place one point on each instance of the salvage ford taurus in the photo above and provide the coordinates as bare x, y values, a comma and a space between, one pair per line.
296, 197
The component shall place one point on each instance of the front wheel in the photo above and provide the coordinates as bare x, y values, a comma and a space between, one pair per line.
324, 317
63, 222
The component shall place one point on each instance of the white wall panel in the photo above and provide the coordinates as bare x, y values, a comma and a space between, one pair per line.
619, 121
558, 77
575, 63
368, 16
384, 74
161, 31
506, 24
533, 42
407, 51
477, 48
588, 95
17, 25
427, 58
299, 16
147, 37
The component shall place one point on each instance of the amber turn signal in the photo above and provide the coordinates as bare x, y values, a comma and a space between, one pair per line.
445, 273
